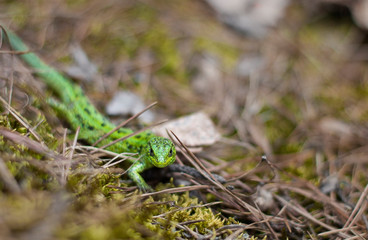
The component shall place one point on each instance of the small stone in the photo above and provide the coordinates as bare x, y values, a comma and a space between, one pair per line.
193, 130
128, 103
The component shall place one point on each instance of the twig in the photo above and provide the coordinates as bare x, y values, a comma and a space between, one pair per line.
239, 202
20, 119
169, 190
308, 215
33, 145
128, 168
95, 150
235, 234
198, 164
361, 200
123, 123
111, 162
65, 171
267, 222
327, 233
248, 172
130, 135
37, 125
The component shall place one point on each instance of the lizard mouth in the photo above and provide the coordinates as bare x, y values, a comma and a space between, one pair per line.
160, 165
161, 162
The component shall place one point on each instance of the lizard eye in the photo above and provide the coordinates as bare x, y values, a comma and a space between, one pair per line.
171, 152
152, 154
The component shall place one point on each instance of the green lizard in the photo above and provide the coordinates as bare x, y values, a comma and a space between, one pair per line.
154, 151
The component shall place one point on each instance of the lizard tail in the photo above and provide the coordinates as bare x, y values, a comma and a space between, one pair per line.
58, 83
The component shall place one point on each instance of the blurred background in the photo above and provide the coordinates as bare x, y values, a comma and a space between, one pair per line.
287, 79
284, 67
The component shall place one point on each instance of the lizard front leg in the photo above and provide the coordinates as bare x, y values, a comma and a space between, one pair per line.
134, 174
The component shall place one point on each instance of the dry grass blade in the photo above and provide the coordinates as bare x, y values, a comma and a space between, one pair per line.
193, 234
37, 125
358, 210
21, 119
317, 196
236, 201
124, 123
123, 173
65, 169
278, 95
235, 234
44, 166
267, 223
165, 191
191, 222
328, 233
307, 215
197, 163
248, 172
113, 161
130, 135
96, 150
257, 132
31, 144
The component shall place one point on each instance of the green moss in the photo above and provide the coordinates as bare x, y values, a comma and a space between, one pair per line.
89, 185
10, 147
172, 214
152, 36
20, 213
46, 133
278, 129
43, 130
331, 102
165, 49
10, 122
110, 216
227, 53
304, 171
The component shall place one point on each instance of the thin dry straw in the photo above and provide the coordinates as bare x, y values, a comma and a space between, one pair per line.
124, 123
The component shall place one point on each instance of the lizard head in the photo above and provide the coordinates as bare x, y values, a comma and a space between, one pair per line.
160, 152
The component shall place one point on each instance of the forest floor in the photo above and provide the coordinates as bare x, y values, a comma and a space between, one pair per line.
291, 109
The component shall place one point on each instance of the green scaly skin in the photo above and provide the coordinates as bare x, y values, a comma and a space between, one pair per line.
154, 151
